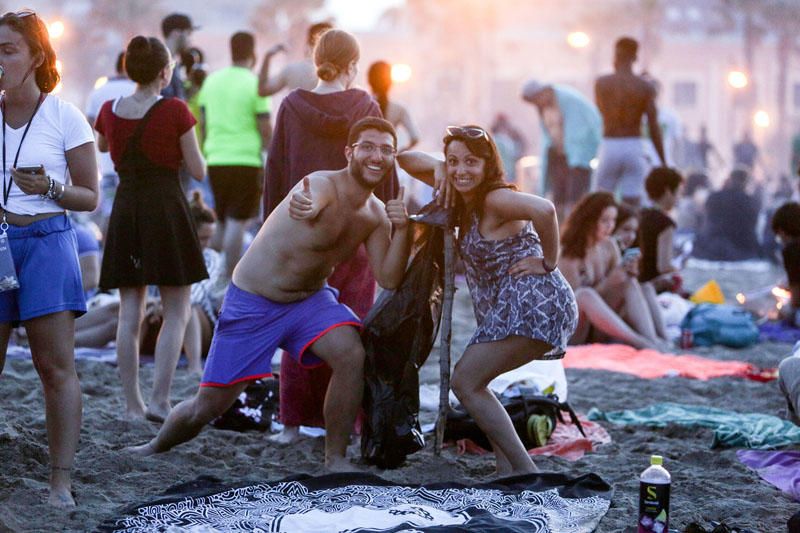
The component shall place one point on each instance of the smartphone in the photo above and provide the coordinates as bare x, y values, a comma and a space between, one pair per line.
631, 254
30, 170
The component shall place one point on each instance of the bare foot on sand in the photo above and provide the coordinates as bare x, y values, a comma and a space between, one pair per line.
157, 413
134, 415
288, 435
143, 450
196, 371
341, 464
61, 498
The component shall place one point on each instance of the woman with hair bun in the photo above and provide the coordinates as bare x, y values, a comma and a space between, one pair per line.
310, 134
48, 167
151, 237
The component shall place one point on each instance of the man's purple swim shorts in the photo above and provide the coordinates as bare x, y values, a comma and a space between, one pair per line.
251, 328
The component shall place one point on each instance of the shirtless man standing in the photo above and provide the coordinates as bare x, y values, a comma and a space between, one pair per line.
623, 98
279, 298
297, 75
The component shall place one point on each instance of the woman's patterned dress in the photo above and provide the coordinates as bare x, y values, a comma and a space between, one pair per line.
535, 306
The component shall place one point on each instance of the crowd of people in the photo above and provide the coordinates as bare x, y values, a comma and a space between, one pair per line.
309, 216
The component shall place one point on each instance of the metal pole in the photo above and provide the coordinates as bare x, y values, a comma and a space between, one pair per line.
444, 339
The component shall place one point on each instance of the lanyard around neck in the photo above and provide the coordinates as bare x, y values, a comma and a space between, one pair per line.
7, 188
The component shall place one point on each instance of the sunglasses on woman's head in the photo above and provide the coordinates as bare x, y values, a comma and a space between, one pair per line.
470, 132
21, 14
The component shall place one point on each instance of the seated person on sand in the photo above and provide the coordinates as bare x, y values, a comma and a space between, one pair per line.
729, 229
656, 229
278, 296
626, 235
611, 304
786, 226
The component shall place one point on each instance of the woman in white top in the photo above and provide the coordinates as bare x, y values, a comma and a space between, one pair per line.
48, 167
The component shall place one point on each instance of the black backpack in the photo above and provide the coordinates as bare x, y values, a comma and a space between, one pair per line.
460, 424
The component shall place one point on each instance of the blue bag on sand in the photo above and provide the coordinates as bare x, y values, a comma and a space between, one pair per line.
720, 324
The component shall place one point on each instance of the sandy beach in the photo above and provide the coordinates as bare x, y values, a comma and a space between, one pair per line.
708, 484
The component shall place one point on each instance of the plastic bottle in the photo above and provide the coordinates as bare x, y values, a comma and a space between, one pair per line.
654, 484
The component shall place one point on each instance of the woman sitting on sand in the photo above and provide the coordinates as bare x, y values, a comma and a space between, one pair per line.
524, 307
609, 296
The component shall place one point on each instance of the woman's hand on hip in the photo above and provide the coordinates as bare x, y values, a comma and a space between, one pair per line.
527, 266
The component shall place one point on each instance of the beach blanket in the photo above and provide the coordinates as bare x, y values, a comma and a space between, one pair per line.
360, 502
781, 469
731, 429
778, 331
650, 364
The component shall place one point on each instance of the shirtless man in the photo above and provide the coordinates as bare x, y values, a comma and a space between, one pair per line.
279, 298
297, 75
623, 98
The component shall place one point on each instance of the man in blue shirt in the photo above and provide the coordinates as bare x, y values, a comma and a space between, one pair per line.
571, 133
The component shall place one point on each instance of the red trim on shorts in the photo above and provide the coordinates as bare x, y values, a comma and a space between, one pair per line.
235, 381
357, 325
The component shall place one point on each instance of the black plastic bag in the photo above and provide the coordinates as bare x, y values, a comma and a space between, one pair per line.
254, 409
460, 424
398, 335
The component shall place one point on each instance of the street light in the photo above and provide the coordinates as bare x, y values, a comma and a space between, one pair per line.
761, 119
401, 73
55, 29
578, 39
737, 79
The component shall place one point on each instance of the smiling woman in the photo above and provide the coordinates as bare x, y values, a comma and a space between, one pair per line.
524, 307
52, 139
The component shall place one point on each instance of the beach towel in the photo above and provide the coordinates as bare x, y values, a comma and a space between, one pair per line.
360, 502
650, 364
731, 429
778, 331
781, 469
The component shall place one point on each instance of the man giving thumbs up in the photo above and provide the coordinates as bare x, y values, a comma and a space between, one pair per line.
279, 298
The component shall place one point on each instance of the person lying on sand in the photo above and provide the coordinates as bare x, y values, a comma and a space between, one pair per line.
279, 297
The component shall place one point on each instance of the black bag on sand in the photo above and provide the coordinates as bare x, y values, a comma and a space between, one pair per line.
255, 409
398, 335
525, 411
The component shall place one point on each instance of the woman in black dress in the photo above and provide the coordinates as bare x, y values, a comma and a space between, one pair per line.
151, 238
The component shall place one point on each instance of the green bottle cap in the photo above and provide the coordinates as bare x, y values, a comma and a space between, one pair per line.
656, 460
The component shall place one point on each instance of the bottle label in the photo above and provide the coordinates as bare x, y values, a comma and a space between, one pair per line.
653, 508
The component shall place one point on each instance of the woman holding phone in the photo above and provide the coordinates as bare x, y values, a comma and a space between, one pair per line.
611, 302
48, 167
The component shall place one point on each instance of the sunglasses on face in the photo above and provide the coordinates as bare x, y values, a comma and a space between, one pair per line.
469, 132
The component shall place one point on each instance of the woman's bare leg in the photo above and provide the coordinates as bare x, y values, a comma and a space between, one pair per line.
131, 312
479, 365
600, 315
53, 352
637, 313
176, 310
193, 342
650, 296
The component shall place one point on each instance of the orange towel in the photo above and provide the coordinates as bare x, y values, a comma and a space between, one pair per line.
650, 364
